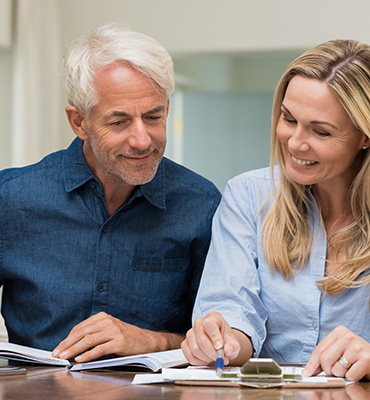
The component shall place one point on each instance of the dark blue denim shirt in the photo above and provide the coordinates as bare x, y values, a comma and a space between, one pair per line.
63, 259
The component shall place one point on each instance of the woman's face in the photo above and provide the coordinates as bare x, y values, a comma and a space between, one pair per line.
320, 144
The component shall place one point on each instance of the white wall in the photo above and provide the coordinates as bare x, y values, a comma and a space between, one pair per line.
224, 26
5, 81
5, 23
5, 106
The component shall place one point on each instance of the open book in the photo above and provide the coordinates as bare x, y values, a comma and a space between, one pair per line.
152, 361
17, 352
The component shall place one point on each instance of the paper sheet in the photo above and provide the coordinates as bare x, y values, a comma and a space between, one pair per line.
192, 373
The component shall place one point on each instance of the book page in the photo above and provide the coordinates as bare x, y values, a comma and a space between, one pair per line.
153, 361
18, 352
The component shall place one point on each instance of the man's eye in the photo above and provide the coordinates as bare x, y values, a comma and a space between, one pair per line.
117, 123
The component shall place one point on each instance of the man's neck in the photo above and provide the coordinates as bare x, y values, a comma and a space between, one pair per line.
116, 195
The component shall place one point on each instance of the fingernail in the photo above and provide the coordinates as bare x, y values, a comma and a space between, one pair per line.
55, 352
64, 354
305, 372
78, 358
218, 345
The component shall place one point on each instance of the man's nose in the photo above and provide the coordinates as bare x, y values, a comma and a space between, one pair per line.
139, 136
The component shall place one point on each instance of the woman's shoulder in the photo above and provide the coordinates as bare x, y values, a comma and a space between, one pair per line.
252, 188
258, 178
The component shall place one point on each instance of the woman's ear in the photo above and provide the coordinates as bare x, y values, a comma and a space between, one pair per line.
77, 120
366, 143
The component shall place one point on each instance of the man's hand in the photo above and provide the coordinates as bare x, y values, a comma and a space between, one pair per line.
103, 334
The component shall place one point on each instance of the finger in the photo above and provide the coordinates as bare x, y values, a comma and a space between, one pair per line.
231, 346
204, 339
96, 352
358, 370
342, 365
190, 356
213, 326
200, 345
82, 337
313, 366
87, 342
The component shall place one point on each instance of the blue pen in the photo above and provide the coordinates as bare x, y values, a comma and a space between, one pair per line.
219, 366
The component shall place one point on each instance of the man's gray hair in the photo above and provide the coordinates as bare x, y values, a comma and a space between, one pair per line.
104, 46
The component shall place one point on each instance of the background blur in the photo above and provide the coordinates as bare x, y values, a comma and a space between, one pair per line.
229, 56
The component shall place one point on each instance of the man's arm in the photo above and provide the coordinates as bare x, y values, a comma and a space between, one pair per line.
103, 334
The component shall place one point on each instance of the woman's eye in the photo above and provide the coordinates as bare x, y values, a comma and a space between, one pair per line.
322, 133
289, 120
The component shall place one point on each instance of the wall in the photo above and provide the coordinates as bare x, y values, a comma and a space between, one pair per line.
225, 134
225, 26
5, 107
5, 23
5, 81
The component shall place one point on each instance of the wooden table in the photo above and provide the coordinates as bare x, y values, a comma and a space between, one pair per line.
57, 383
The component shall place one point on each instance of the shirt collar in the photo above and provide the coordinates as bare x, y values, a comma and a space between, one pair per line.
154, 191
76, 173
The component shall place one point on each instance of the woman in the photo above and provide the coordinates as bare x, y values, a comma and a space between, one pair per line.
287, 273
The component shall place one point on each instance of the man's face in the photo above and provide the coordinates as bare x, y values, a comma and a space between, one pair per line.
126, 129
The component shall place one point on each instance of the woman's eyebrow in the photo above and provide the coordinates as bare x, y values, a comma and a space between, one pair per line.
284, 109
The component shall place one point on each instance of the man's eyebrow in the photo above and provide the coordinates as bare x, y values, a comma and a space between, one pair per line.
119, 114
116, 114
155, 110
125, 114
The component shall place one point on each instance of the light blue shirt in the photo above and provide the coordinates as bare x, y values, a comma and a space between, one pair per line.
285, 319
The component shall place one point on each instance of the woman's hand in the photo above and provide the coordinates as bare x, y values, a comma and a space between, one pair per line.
342, 354
210, 334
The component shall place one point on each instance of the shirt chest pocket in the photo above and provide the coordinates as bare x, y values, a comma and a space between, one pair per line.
159, 287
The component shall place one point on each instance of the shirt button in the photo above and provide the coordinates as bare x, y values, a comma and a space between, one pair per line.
92, 185
314, 325
105, 229
101, 287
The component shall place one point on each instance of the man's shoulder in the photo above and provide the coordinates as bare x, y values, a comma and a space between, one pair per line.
180, 177
48, 163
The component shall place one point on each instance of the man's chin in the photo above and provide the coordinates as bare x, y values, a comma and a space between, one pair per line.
139, 178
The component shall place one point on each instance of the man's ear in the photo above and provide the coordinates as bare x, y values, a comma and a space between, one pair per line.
77, 120
168, 107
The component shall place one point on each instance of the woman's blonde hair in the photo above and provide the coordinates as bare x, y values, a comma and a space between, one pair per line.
344, 65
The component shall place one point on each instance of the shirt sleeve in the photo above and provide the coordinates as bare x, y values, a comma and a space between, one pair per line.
230, 283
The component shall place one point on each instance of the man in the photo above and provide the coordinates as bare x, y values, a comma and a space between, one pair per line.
103, 244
